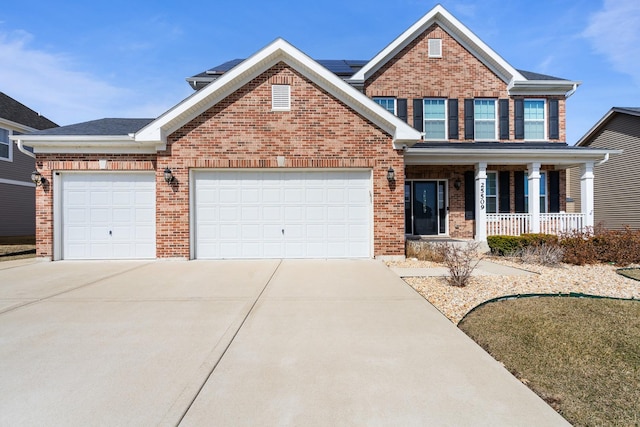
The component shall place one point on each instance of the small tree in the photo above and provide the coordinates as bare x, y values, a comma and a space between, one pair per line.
460, 261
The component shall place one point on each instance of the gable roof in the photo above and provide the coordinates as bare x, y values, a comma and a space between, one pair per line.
276, 52
19, 114
586, 139
519, 83
103, 127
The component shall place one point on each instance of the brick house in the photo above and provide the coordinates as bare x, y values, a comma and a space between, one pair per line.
283, 156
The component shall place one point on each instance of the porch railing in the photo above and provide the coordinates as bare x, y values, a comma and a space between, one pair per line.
515, 224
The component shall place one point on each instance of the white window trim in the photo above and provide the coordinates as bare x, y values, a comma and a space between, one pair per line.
545, 125
432, 42
10, 145
280, 97
497, 195
495, 120
446, 121
395, 103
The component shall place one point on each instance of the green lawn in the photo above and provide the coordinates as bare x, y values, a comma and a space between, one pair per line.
582, 355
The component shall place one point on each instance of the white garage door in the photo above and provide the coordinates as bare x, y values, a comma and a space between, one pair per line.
108, 216
258, 214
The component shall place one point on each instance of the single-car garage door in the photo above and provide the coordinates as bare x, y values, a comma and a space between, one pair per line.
278, 214
108, 215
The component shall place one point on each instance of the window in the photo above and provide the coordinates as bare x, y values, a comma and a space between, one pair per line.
388, 104
5, 145
534, 119
435, 48
492, 192
281, 97
543, 192
484, 119
435, 119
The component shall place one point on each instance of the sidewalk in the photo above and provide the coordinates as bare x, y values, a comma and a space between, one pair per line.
484, 268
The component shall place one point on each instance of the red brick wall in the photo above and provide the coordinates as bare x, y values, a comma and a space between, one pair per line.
458, 74
243, 132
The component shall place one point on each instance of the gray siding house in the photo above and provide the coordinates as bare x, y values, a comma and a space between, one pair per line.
617, 189
17, 194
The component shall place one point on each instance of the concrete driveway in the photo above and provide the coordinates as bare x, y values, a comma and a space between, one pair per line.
269, 342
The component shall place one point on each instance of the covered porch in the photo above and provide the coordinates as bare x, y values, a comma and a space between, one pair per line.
489, 189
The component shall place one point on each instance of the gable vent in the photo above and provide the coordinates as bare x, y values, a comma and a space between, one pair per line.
435, 48
280, 97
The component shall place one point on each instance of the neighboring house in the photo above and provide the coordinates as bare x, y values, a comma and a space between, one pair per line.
278, 156
617, 189
18, 211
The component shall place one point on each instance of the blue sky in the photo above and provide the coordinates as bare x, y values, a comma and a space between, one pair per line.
74, 61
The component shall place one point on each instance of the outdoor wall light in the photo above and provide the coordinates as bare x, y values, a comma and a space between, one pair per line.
37, 178
168, 176
391, 174
457, 184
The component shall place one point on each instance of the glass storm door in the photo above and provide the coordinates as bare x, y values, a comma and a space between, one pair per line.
425, 208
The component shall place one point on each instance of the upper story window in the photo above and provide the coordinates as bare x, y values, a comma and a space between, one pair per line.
435, 48
5, 145
388, 104
484, 119
280, 97
435, 119
534, 120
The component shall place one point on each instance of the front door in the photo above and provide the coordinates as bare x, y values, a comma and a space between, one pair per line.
425, 208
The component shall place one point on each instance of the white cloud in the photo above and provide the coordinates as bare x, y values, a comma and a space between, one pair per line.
613, 32
53, 85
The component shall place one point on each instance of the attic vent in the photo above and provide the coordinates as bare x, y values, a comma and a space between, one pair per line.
435, 48
280, 97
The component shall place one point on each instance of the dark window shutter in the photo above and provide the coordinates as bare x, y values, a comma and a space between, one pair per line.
468, 119
554, 191
503, 105
554, 119
518, 185
504, 204
418, 119
453, 119
402, 109
519, 118
469, 195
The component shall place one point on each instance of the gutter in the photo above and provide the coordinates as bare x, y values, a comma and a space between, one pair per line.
24, 150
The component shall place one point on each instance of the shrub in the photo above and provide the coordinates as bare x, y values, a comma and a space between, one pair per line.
542, 254
620, 247
504, 245
424, 251
460, 261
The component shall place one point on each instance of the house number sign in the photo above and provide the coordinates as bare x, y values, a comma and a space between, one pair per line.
482, 196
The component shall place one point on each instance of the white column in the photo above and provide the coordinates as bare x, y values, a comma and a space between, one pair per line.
481, 202
533, 176
586, 193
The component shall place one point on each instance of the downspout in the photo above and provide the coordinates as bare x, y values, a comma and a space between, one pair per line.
24, 150
605, 160
572, 91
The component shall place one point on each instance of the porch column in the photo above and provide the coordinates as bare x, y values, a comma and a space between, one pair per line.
481, 202
533, 176
586, 193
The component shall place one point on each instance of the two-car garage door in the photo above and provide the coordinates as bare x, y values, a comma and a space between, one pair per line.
282, 214
235, 214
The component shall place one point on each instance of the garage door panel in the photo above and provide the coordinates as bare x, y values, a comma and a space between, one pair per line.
312, 207
108, 215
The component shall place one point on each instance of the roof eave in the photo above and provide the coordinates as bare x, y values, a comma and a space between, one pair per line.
582, 142
543, 87
104, 144
564, 157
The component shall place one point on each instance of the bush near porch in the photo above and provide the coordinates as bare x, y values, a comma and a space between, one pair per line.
620, 247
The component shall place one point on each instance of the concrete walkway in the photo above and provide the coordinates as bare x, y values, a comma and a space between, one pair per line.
268, 342
484, 268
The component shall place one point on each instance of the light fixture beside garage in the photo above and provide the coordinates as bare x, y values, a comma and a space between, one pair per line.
391, 174
37, 178
168, 176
